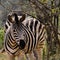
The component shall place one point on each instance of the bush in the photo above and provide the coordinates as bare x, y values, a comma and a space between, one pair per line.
1, 38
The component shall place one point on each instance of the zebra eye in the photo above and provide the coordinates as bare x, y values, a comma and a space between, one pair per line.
22, 44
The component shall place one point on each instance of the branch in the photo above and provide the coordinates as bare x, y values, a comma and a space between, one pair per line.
58, 33
41, 6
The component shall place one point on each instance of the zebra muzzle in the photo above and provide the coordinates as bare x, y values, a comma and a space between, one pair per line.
22, 44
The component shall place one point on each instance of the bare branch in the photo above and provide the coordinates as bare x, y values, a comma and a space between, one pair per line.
41, 6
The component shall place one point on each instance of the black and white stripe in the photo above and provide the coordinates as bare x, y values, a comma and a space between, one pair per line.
25, 35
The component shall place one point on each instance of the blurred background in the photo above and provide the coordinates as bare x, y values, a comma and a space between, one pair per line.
46, 11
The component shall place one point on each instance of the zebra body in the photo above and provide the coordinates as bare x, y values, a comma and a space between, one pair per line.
26, 35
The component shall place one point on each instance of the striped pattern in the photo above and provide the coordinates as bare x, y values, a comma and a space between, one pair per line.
10, 44
30, 34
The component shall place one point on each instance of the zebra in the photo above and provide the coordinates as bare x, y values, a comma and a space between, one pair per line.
6, 27
27, 34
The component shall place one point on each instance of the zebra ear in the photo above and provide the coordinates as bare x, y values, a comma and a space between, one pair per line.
16, 18
13, 18
22, 18
10, 18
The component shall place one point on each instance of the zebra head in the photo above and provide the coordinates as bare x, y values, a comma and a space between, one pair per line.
16, 29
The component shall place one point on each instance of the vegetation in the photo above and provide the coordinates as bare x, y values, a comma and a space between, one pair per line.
1, 38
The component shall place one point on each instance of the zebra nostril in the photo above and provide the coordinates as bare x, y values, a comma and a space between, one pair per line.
14, 30
22, 44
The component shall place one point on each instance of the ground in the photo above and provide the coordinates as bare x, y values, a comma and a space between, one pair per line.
3, 56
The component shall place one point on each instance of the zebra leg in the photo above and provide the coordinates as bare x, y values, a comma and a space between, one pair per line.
21, 56
38, 54
10, 57
30, 56
35, 54
27, 57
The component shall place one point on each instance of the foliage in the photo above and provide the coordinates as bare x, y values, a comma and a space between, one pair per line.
44, 1
1, 37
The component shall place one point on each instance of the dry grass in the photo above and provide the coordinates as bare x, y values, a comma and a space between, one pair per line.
3, 56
